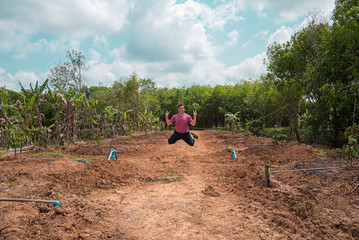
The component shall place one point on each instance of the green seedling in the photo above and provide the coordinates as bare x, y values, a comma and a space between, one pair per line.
13, 184
276, 166
172, 179
321, 152
166, 181
174, 174
179, 179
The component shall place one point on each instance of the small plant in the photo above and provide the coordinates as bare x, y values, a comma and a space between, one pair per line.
97, 137
278, 135
13, 184
173, 177
324, 151
174, 174
351, 150
179, 179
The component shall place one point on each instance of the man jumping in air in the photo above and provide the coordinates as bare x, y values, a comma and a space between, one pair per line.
181, 120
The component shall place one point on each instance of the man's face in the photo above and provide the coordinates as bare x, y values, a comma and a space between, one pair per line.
181, 109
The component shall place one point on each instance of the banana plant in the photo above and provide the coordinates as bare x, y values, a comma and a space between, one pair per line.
147, 120
21, 120
124, 119
89, 120
32, 100
233, 121
66, 128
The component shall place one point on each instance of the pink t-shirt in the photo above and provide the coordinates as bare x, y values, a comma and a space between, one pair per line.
181, 122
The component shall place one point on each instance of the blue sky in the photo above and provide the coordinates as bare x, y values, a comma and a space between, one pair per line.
175, 43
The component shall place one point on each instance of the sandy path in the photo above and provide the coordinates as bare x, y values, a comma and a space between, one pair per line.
176, 197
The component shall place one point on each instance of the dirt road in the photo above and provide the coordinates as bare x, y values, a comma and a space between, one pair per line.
179, 198
160, 191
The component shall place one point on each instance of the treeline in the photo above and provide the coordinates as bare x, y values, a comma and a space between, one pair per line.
311, 87
317, 74
43, 114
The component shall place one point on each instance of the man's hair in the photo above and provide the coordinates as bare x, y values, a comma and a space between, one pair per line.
180, 105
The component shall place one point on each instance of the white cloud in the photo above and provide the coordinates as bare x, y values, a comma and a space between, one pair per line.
262, 34
282, 35
205, 71
66, 17
290, 10
100, 41
173, 43
245, 45
250, 68
233, 38
67, 23
100, 73
218, 17
11, 81
168, 33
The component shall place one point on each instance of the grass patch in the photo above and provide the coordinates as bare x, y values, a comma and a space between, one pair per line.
270, 132
173, 177
47, 154
324, 151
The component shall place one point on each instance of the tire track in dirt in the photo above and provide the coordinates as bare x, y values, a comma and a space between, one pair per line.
190, 207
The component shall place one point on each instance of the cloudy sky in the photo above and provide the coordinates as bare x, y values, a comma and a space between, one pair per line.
175, 43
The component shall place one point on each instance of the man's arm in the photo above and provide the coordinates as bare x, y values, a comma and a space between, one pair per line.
167, 120
194, 118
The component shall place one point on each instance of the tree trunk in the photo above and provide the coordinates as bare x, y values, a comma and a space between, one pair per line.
293, 122
355, 106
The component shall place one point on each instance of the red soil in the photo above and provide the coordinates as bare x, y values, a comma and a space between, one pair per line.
158, 191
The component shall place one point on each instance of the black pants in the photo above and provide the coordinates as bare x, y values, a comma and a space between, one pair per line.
184, 136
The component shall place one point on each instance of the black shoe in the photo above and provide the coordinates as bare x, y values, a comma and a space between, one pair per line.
194, 135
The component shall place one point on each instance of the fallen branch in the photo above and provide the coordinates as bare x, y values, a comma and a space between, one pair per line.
2, 229
354, 188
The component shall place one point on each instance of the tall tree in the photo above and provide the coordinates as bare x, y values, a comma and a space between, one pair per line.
282, 65
71, 73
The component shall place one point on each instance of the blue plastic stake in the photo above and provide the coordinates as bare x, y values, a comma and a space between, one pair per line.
340, 162
56, 203
234, 155
112, 155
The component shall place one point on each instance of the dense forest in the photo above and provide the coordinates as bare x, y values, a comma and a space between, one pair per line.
310, 90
